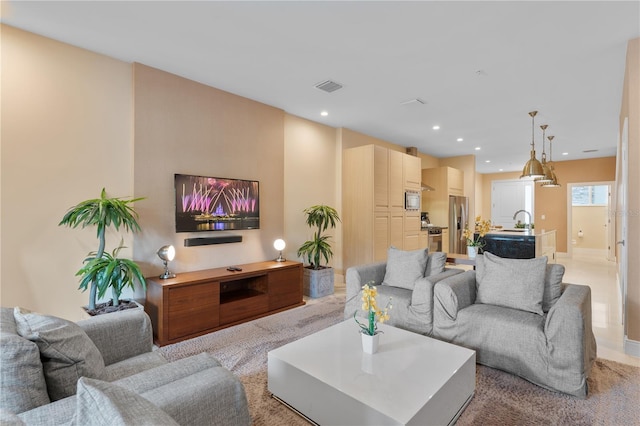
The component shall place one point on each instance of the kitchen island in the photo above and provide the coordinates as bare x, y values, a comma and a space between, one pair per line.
521, 243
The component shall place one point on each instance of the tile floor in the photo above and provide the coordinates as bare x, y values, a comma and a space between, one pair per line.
600, 275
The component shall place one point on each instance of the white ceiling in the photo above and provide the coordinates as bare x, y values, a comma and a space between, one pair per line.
479, 66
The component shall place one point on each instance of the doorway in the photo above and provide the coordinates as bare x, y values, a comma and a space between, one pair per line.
590, 224
508, 197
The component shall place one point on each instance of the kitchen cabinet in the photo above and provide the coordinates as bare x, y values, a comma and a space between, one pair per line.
388, 178
411, 239
445, 240
521, 244
445, 181
412, 170
423, 239
375, 179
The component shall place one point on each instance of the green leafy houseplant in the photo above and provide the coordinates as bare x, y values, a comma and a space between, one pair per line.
102, 270
320, 217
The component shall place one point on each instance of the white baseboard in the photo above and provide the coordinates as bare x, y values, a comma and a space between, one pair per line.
631, 347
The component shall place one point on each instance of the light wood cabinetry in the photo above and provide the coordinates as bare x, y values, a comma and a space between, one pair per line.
445, 181
374, 182
445, 240
412, 169
196, 303
412, 231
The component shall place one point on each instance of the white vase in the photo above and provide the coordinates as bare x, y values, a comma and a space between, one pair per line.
370, 343
471, 252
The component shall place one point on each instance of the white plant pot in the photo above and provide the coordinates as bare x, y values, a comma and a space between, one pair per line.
370, 343
471, 252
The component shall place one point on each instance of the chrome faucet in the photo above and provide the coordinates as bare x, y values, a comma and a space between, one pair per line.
523, 211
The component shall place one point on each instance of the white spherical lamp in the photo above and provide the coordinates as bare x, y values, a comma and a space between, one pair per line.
279, 245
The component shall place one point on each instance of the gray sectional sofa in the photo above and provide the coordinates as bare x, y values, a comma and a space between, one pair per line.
103, 370
517, 314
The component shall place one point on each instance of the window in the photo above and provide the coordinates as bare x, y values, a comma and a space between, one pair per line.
590, 195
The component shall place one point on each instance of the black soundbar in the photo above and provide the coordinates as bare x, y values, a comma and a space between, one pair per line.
205, 241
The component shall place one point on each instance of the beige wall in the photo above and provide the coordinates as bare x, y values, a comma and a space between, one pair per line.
66, 133
552, 202
630, 110
312, 174
185, 127
352, 139
591, 220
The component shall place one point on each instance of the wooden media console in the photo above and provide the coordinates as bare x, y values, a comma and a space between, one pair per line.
199, 302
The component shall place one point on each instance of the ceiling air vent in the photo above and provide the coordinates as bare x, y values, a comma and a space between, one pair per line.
329, 86
586, 151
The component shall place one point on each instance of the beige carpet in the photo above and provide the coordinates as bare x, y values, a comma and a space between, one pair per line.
500, 399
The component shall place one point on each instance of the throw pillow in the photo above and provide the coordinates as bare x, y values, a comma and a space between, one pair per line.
552, 286
102, 403
22, 384
404, 267
435, 263
513, 283
67, 353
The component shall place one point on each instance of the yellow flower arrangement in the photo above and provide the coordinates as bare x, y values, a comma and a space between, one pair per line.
481, 228
369, 305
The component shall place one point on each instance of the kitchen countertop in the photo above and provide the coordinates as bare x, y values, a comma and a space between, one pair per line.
520, 233
434, 226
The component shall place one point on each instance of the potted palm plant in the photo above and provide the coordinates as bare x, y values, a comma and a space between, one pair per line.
103, 270
317, 279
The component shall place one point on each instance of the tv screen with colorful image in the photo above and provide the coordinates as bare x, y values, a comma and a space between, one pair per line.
216, 204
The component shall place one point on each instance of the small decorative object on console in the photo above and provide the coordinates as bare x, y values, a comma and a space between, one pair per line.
279, 245
167, 254
369, 331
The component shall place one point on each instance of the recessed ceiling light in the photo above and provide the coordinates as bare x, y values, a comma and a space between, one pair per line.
478, 148
436, 127
487, 161
324, 113
565, 153
459, 139
500, 170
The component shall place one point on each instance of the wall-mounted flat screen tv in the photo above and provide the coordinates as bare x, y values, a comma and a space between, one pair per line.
216, 204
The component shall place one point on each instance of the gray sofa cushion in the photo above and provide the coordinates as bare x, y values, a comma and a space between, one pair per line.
512, 283
7, 418
135, 365
100, 403
404, 267
22, 386
66, 351
552, 282
435, 263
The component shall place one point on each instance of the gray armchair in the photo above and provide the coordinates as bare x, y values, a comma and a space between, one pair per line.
412, 308
553, 348
43, 359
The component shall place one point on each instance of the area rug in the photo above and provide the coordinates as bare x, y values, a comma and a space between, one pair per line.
500, 399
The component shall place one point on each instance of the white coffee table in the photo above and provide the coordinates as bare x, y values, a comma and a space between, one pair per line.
412, 379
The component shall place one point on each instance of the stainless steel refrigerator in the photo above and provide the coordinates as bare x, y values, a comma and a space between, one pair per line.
458, 219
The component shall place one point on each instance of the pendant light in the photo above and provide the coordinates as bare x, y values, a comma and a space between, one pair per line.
533, 168
554, 180
545, 167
